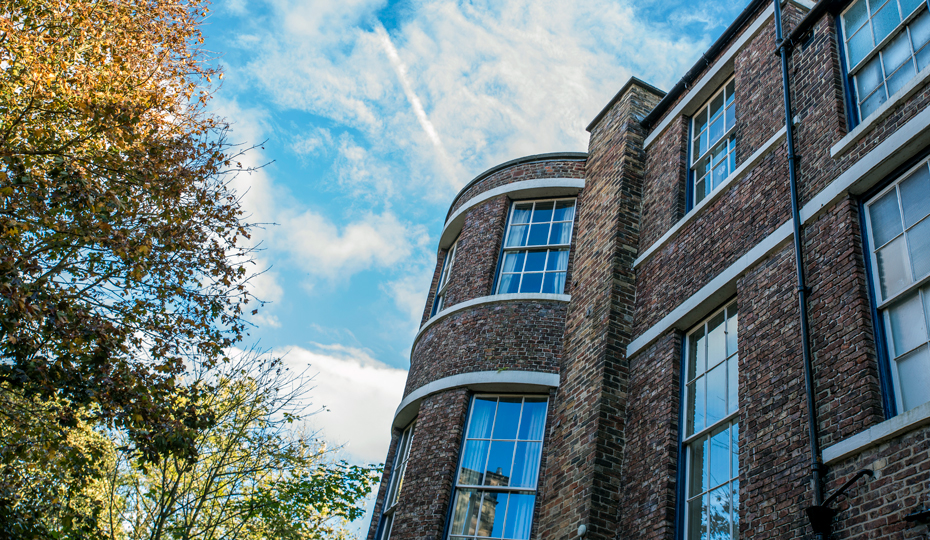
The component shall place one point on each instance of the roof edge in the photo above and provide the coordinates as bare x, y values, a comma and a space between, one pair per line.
735, 27
623, 89
552, 156
812, 17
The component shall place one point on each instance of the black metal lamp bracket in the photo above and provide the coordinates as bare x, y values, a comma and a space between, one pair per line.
821, 517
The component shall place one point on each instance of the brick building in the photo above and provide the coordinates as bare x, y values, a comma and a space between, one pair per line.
626, 343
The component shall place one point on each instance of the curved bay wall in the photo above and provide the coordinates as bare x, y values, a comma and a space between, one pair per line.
493, 332
523, 335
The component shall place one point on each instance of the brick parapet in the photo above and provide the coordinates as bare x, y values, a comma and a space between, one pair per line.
543, 166
587, 440
522, 335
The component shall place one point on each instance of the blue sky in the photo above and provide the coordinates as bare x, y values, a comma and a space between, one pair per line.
373, 115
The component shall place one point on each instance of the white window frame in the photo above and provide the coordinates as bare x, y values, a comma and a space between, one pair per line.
729, 421
897, 299
444, 277
878, 50
566, 247
495, 488
396, 482
726, 141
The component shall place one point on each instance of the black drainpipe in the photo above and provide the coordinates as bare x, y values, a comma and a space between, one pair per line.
817, 467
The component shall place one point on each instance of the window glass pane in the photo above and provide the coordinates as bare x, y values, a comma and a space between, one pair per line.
901, 77
386, 528
517, 236
734, 433
482, 418
915, 196
561, 233
519, 516
539, 234
719, 462
513, 262
870, 77
508, 416
716, 106
908, 6
716, 394
716, 340
510, 283
920, 30
918, 241
697, 519
893, 271
731, 91
914, 378
500, 461
923, 58
700, 144
697, 345
732, 327
699, 191
908, 328
535, 261
896, 53
873, 102
857, 16
543, 212
489, 512
696, 402
526, 464
716, 130
859, 45
885, 20
533, 419
698, 467
718, 518
521, 213
700, 122
732, 384
734, 495
532, 283
564, 211
474, 458
554, 283
731, 116
465, 515
558, 260
885, 219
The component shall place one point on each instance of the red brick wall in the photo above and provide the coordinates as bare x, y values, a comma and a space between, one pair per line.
434, 452
586, 447
478, 251
524, 336
650, 464
664, 189
774, 456
875, 508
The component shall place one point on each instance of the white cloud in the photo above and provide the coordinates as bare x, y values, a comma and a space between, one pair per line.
409, 293
322, 249
359, 393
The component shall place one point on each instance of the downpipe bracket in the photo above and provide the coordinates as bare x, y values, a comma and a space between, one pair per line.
821, 516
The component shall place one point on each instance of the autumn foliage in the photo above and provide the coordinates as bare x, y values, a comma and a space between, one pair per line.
118, 235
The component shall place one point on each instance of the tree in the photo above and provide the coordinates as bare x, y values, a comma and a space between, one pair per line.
254, 475
120, 241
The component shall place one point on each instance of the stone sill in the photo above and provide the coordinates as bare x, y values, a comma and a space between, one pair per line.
878, 434
886, 109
